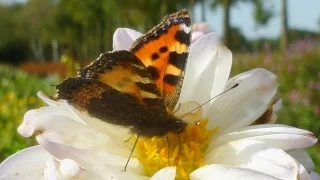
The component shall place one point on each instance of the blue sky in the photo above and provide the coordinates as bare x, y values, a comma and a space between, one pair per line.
303, 14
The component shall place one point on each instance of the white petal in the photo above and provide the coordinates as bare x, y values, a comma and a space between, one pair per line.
106, 172
244, 104
117, 132
64, 130
70, 169
189, 112
207, 70
242, 76
25, 173
280, 136
303, 158
35, 120
63, 170
196, 35
87, 158
168, 173
87, 139
40, 120
124, 37
225, 172
255, 155
303, 173
31, 156
48, 100
314, 176
277, 106
26, 164
51, 171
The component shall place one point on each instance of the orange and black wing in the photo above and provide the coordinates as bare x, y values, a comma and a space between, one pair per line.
115, 88
164, 51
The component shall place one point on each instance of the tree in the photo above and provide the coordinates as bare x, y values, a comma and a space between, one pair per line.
284, 25
261, 15
33, 24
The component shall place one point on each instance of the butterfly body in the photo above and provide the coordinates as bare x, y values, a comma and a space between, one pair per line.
140, 87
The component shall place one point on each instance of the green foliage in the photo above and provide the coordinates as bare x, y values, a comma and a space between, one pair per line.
84, 27
17, 96
262, 14
12, 47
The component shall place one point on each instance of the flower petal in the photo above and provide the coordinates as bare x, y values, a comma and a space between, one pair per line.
280, 136
82, 136
303, 173
123, 38
45, 98
257, 156
87, 158
189, 112
64, 169
314, 176
117, 132
242, 76
25, 173
32, 156
168, 173
67, 131
41, 119
225, 172
207, 70
242, 105
196, 35
102, 171
27, 164
303, 158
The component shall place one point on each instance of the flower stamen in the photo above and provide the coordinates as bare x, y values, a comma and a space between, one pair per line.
185, 150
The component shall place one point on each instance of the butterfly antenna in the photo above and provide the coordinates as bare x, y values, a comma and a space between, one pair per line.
134, 146
232, 87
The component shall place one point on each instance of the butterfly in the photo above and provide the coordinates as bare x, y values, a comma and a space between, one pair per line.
138, 88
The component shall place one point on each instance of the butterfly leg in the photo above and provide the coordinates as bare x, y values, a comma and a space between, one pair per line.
134, 146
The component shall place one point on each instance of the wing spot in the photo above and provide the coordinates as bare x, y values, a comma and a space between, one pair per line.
153, 71
178, 60
183, 37
155, 56
163, 49
148, 87
171, 79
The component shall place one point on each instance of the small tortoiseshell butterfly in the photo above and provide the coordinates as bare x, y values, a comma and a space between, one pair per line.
137, 88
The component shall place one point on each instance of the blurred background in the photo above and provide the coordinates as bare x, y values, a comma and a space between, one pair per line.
44, 41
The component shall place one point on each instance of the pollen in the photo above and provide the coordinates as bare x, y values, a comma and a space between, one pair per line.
185, 150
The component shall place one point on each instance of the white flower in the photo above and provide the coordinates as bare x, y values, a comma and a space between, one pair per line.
75, 146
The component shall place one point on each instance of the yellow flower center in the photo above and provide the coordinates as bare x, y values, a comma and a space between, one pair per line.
185, 150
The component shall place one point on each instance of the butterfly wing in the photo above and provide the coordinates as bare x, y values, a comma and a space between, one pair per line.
164, 51
115, 88
124, 72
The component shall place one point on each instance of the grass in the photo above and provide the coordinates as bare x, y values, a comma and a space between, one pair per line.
298, 72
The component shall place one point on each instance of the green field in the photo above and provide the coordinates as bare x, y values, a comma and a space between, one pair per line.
298, 72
